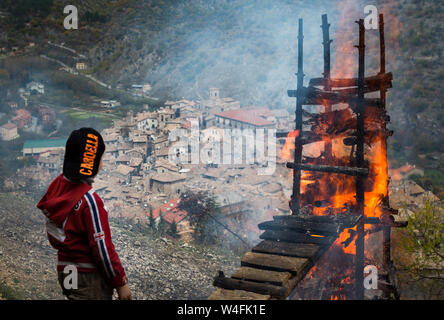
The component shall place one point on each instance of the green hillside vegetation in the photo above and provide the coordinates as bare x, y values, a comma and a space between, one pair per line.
417, 107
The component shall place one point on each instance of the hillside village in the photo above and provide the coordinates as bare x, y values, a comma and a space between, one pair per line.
44, 117
138, 178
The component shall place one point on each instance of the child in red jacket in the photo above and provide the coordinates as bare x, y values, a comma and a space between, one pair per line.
77, 224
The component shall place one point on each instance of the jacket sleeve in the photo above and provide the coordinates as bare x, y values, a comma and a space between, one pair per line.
99, 237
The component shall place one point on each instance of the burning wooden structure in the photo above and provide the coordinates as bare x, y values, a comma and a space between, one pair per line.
338, 198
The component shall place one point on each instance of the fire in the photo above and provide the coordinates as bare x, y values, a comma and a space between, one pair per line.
289, 146
344, 39
329, 193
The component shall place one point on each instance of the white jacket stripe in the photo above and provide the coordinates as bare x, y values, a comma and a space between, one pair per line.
94, 210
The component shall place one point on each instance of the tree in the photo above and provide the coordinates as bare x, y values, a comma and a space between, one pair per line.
203, 211
151, 221
173, 230
162, 226
423, 241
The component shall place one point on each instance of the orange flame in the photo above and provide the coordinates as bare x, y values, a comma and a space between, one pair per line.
289, 146
332, 193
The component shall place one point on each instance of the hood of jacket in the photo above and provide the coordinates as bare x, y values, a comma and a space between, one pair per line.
61, 197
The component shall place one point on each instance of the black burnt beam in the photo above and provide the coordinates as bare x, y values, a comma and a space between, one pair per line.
295, 197
381, 79
360, 201
352, 171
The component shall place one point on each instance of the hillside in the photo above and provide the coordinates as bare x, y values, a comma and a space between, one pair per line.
156, 269
248, 49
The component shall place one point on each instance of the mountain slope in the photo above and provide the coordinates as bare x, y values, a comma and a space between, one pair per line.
156, 269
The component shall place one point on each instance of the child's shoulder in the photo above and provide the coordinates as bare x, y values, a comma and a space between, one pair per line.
92, 199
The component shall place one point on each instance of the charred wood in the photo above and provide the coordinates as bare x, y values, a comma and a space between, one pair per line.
262, 288
314, 96
305, 227
332, 169
346, 219
372, 81
301, 250
295, 237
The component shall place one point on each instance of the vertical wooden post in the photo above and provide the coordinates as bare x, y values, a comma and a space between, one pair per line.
327, 105
360, 201
386, 230
295, 203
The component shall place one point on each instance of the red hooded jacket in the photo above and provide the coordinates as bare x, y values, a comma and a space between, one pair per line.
77, 226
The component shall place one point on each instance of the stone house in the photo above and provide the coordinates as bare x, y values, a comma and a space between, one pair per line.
168, 183
9, 132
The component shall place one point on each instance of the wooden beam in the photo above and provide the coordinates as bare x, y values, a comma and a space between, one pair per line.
312, 227
291, 236
262, 288
346, 220
371, 81
352, 171
354, 91
274, 262
297, 156
314, 96
225, 294
259, 275
302, 250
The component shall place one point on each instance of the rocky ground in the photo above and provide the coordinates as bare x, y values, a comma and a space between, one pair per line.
157, 268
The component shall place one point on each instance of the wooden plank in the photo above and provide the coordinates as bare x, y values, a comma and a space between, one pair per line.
302, 250
262, 288
273, 262
352, 171
312, 227
372, 81
293, 282
265, 276
346, 220
225, 294
294, 237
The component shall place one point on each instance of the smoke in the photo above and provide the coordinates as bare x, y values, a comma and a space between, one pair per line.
246, 48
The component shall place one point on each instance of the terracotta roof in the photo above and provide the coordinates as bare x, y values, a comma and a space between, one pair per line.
23, 113
140, 139
110, 137
134, 162
123, 158
166, 164
124, 170
123, 147
162, 152
146, 115
136, 149
169, 211
166, 110
251, 116
9, 126
161, 139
